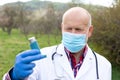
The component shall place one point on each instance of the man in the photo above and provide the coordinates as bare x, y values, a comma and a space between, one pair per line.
71, 60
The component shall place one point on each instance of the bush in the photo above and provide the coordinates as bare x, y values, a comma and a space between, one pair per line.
107, 31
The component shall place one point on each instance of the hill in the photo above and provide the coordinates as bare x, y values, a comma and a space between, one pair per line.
35, 5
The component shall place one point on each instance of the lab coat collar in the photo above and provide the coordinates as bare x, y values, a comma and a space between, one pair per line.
60, 49
87, 64
64, 62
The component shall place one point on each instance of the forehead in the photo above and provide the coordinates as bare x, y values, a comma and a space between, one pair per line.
78, 16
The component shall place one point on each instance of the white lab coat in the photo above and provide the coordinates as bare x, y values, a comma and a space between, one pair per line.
60, 68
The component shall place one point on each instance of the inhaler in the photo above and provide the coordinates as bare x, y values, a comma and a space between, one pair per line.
34, 43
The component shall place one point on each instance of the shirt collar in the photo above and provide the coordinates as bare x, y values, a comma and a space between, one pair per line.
83, 54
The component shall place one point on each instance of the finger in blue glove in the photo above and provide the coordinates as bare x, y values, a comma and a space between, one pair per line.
23, 65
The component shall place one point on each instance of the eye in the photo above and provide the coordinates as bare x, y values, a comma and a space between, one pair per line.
78, 29
69, 28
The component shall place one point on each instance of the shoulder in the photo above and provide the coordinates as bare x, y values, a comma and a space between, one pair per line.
102, 60
52, 49
49, 49
104, 66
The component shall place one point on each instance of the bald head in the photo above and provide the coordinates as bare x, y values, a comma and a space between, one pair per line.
76, 21
77, 14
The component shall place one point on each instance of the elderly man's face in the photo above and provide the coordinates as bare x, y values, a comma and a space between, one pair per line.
77, 22
77, 28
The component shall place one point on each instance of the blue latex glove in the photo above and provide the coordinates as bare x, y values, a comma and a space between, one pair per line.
23, 66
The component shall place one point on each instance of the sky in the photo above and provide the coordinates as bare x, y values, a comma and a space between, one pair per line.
95, 2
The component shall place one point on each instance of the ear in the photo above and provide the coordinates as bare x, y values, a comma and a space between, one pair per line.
90, 31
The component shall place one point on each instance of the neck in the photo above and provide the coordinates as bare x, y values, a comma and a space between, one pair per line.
78, 54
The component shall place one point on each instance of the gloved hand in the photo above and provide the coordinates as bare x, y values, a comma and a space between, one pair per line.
23, 65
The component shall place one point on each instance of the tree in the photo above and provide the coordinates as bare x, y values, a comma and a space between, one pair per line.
8, 18
106, 32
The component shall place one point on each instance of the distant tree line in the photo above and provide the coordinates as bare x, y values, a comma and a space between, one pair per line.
35, 21
106, 21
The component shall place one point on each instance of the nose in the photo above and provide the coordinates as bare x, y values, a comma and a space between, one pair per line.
73, 31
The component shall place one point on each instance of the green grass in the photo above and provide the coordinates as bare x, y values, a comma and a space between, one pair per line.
115, 72
11, 45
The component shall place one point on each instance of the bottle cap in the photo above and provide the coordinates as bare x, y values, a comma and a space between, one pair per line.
32, 39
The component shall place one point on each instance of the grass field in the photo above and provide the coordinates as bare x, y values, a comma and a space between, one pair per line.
11, 45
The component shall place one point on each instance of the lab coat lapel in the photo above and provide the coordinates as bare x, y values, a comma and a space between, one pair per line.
87, 64
65, 64
67, 67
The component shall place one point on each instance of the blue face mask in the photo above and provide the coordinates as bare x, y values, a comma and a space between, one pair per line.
73, 42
